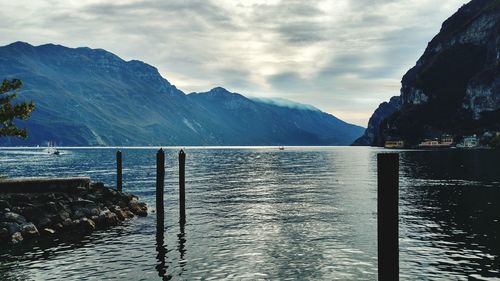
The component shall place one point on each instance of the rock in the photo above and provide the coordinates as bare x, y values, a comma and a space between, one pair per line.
95, 219
83, 226
79, 213
125, 197
110, 193
17, 209
29, 230
107, 218
19, 197
119, 213
45, 222
63, 206
129, 214
63, 215
51, 207
47, 232
13, 217
12, 227
80, 189
58, 227
138, 208
74, 223
16, 238
4, 235
4, 204
84, 202
97, 185
32, 213
122, 204
87, 225
85, 207
94, 211
46, 214
67, 222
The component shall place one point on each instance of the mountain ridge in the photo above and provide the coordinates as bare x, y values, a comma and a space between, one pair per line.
90, 96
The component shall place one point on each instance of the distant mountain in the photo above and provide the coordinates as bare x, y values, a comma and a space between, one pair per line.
263, 121
89, 96
455, 86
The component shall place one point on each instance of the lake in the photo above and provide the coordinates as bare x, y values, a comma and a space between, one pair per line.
304, 213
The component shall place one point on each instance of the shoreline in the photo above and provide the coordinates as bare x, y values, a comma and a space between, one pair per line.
65, 210
186, 147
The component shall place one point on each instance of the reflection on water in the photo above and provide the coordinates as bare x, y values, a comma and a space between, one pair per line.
161, 248
261, 213
450, 213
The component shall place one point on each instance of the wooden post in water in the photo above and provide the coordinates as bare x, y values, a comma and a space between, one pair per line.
160, 184
387, 219
119, 183
182, 187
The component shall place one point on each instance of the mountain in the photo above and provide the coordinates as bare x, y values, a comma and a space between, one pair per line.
454, 87
272, 121
384, 110
89, 96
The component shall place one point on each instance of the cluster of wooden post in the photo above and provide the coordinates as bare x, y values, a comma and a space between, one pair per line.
387, 206
160, 185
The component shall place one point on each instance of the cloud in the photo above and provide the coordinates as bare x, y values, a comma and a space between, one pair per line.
342, 56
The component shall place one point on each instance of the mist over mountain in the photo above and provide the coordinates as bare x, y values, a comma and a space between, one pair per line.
89, 96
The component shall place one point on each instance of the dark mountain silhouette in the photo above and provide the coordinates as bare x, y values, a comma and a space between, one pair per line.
455, 86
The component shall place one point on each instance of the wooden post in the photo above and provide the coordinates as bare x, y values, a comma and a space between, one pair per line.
182, 186
119, 183
387, 219
160, 184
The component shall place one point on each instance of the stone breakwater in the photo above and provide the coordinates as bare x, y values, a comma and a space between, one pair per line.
31, 216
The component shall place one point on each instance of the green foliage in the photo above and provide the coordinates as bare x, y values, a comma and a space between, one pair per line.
495, 142
10, 111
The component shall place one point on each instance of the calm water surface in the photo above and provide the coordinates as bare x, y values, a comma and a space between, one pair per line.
261, 214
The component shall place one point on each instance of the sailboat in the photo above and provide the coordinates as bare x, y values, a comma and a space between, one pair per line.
51, 149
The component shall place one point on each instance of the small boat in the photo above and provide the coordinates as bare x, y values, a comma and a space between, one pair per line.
51, 149
281, 148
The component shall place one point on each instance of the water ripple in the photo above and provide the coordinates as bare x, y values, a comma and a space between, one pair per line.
260, 214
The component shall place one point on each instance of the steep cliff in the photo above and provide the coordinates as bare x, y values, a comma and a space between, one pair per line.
455, 85
384, 110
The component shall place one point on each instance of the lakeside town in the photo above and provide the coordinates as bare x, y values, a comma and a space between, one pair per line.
487, 140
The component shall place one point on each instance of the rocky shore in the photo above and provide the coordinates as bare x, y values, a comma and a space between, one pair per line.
44, 215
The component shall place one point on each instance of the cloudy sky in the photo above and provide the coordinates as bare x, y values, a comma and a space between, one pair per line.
342, 56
